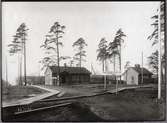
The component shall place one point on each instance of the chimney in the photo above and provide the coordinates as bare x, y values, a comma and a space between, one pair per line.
65, 65
137, 65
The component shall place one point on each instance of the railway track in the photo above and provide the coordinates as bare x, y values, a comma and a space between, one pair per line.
11, 114
43, 104
49, 103
43, 108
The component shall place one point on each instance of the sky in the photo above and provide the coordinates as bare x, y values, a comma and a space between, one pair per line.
89, 20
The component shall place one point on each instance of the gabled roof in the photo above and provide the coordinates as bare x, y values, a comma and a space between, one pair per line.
72, 70
139, 70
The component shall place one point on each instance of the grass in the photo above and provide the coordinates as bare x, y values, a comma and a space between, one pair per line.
128, 105
12, 93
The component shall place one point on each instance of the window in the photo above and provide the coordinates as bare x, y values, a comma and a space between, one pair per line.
132, 79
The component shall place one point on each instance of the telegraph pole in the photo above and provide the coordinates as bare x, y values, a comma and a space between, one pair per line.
105, 83
142, 69
39, 70
6, 70
159, 55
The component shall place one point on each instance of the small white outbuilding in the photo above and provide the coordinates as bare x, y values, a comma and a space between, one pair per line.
133, 75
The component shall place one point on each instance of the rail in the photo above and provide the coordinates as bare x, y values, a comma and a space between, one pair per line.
43, 108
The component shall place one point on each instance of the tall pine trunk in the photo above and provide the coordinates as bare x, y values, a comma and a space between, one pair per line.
120, 61
114, 66
105, 78
58, 74
25, 69
114, 63
80, 66
103, 65
126, 75
20, 69
80, 59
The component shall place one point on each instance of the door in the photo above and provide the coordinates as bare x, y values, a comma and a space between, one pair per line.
132, 80
63, 78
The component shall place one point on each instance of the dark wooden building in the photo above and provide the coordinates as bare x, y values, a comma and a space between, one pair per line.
68, 75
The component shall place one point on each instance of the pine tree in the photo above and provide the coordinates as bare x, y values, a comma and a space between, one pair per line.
81, 53
51, 45
102, 52
18, 45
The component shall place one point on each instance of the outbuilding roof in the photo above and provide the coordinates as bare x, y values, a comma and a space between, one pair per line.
139, 70
72, 70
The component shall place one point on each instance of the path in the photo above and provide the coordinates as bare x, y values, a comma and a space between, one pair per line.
47, 89
68, 90
26, 101
76, 96
130, 87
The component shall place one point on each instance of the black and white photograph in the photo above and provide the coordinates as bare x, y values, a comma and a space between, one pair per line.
83, 61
